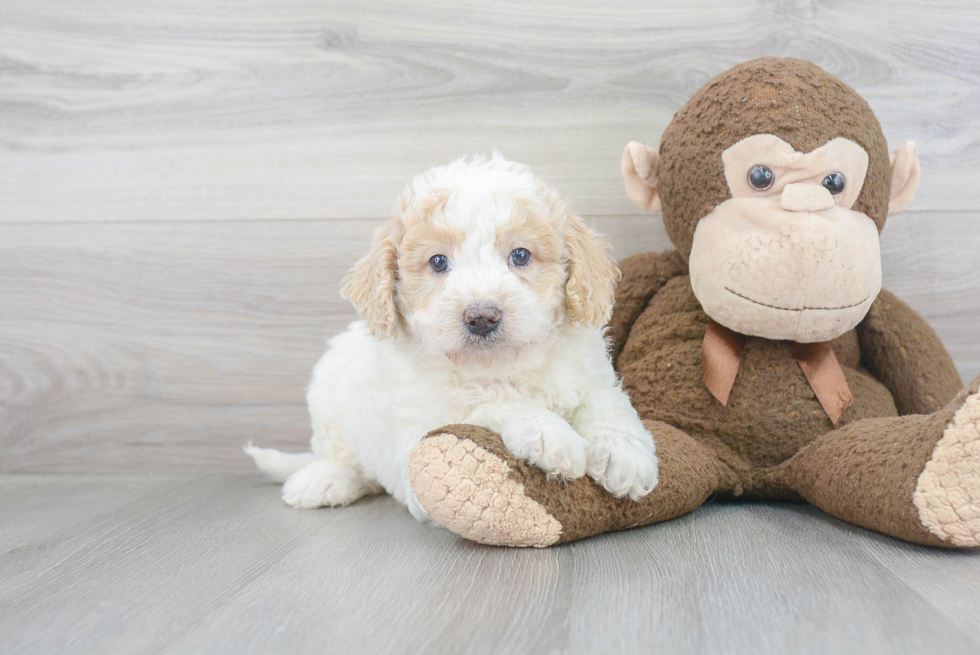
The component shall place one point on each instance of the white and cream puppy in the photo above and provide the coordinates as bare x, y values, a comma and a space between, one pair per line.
483, 301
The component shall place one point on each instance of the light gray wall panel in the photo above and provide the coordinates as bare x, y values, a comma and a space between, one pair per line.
115, 110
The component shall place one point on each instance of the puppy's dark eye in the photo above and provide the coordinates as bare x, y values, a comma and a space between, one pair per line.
439, 263
520, 257
834, 183
761, 177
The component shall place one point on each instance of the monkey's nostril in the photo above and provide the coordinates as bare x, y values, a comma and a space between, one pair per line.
483, 320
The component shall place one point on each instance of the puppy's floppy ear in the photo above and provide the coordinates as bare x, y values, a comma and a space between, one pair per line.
592, 275
370, 286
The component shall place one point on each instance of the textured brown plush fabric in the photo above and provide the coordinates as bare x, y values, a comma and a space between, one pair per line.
866, 473
903, 351
642, 276
772, 412
690, 474
789, 98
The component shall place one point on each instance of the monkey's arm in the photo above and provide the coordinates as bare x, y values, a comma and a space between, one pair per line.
904, 353
643, 276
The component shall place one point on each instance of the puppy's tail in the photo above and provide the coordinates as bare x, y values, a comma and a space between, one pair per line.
278, 465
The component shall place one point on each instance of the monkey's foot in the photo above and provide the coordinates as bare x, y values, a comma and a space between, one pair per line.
947, 494
471, 491
468, 481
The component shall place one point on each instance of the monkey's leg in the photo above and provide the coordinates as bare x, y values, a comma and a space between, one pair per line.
467, 481
913, 477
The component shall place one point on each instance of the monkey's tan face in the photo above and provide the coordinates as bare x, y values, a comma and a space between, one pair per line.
786, 257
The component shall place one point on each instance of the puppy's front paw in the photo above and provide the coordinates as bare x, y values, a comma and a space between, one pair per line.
624, 463
549, 443
324, 483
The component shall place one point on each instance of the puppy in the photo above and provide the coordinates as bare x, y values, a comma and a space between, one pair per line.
483, 301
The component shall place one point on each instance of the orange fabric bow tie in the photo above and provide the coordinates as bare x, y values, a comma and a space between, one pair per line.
721, 355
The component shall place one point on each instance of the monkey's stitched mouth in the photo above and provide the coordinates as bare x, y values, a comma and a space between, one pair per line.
795, 309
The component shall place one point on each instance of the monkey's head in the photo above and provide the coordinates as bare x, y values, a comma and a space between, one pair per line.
775, 181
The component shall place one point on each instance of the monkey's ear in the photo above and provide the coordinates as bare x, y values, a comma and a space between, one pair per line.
370, 286
639, 169
905, 177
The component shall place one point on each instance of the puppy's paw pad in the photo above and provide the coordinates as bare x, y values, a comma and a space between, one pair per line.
322, 484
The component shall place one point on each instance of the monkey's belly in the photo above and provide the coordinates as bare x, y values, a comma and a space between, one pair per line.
772, 411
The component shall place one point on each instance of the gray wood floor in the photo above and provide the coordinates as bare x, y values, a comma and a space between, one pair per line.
182, 187
217, 564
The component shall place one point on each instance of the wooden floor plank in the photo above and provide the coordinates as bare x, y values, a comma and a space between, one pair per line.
35, 507
141, 578
751, 577
218, 564
948, 580
113, 110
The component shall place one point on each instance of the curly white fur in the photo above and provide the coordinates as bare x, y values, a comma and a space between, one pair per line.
543, 379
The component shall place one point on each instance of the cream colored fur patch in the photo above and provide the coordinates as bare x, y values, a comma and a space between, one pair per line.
948, 492
468, 490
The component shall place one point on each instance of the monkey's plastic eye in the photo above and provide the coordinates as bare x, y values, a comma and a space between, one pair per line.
761, 177
520, 257
834, 183
439, 263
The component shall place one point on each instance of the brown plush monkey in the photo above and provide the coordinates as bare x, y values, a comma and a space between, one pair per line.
762, 353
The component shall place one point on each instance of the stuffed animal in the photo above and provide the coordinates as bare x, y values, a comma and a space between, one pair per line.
762, 353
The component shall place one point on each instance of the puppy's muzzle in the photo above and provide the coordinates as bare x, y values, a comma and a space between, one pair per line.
481, 320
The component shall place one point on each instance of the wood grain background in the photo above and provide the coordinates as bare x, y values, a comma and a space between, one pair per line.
214, 564
182, 185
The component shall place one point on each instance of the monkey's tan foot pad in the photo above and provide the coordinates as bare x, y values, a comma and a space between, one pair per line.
947, 494
472, 491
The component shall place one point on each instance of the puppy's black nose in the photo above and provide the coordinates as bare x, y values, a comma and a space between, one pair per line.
482, 320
